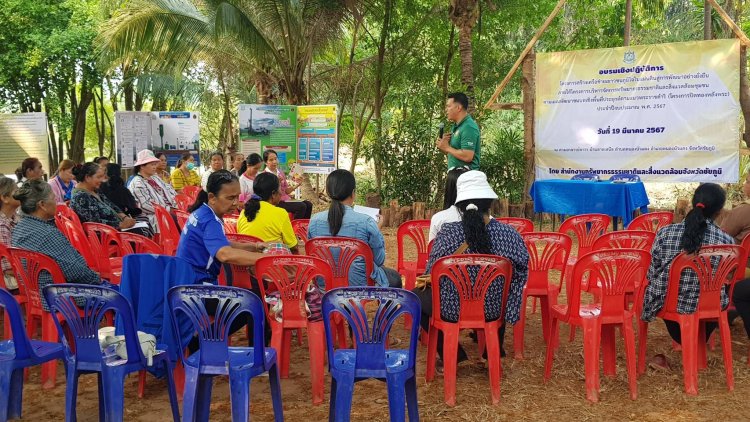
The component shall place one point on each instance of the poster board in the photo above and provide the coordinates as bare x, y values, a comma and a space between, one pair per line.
666, 112
171, 132
23, 135
306, 135
264, 127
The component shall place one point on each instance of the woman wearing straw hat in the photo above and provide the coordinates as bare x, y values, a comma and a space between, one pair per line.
482, 235
148, 188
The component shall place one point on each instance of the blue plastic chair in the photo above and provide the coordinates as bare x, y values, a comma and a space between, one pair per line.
371, 358
588, 176
625, 177
216, 357
16, 354
83, 355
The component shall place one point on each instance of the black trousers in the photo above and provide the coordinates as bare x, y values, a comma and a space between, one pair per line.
741, 298
673, 328
300, 209
425, 297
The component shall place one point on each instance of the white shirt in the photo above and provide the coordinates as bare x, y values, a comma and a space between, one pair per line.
246, 185
448, 215
204, 177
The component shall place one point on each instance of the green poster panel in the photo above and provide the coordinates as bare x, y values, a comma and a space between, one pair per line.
264, 127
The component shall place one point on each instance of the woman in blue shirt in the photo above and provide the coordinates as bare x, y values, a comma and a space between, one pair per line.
342, 220
204, 245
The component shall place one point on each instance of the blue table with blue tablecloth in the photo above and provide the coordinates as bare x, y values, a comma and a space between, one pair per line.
573, 197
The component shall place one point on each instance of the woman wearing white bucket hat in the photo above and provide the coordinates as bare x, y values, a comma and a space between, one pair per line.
148, 188
483, 235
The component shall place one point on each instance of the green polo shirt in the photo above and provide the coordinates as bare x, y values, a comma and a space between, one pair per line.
465, 135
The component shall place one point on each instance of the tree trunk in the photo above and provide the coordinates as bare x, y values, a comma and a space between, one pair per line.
54, 157
380, 92
78, 135
528, 88
467, 64
707, 21
745, 94
628, 21
448, 60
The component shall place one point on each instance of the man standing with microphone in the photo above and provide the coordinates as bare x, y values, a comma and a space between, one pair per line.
462, 143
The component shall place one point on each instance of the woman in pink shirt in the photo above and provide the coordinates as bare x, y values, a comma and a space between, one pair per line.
300, 209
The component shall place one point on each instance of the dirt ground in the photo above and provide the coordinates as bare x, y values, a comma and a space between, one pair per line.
524, 395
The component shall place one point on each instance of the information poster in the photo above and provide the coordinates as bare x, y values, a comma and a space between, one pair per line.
23, 135
667, 112
264, 127
173, 132
317, 141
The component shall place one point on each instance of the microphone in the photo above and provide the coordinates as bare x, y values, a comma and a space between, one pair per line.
441, 129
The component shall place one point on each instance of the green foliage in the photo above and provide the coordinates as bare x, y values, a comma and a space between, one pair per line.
502, 161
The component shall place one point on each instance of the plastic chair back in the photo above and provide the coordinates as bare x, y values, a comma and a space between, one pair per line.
213, 331
715, 266
340, 253
28, 266
81, 335
191, 192
183, 201
547, 251
522, 225
169, 235
131, 243
586, 228
625, 239
471, 274
371, 336
241, 273
5, 257
300, 228
105, 243
14, 318
182, 218
230, 224
417, 231
77, 238
652, 221
613, 273
587, 176
625, 177
291, 275
66, 212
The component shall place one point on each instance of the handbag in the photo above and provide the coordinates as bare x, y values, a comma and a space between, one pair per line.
423, 281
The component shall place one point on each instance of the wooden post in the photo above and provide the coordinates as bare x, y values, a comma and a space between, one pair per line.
681, 209
730, 23
385, 214
628, 21
528, 87
515, 210
418, 211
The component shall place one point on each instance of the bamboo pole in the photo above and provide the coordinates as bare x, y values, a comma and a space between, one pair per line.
525, 51
728, 20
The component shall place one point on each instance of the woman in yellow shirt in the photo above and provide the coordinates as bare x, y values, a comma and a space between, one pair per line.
184, 174
262, 218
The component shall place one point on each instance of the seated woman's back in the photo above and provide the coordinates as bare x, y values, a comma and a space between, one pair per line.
262, 218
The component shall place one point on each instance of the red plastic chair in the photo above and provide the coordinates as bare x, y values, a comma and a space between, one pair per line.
27, 276
300, 229
241, 274
182, 217
291, 275
713, 278
169, 234
105, 245
616, 272
522, 225
183, 201
20, 297
131, 243
652, 221
547, 252
625, 239
738, 276
230, 224
340, 253
65, 211
77, 238
471, 315
418, 232
191, 192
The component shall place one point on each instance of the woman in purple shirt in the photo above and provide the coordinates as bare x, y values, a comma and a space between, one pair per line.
300, 209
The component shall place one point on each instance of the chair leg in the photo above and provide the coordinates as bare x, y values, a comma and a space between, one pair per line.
277, 342
642, 337
494, 361
273, 378
412, 404
591, 346
609, 350
533, 304
726, 349
340, 329
190, 394
6, 374
518, 330
629, 336
332, 402
450, 355
316, 344
15, 396
141, 383
344, 392
396, 397
203, 409
114, 394
544, 303
172, 390
432, 339
49, 369
689, 331
551, 345
239, 392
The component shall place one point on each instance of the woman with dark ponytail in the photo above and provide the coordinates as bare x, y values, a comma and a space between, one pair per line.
342, 220
262, 218
698, 229
477, 233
